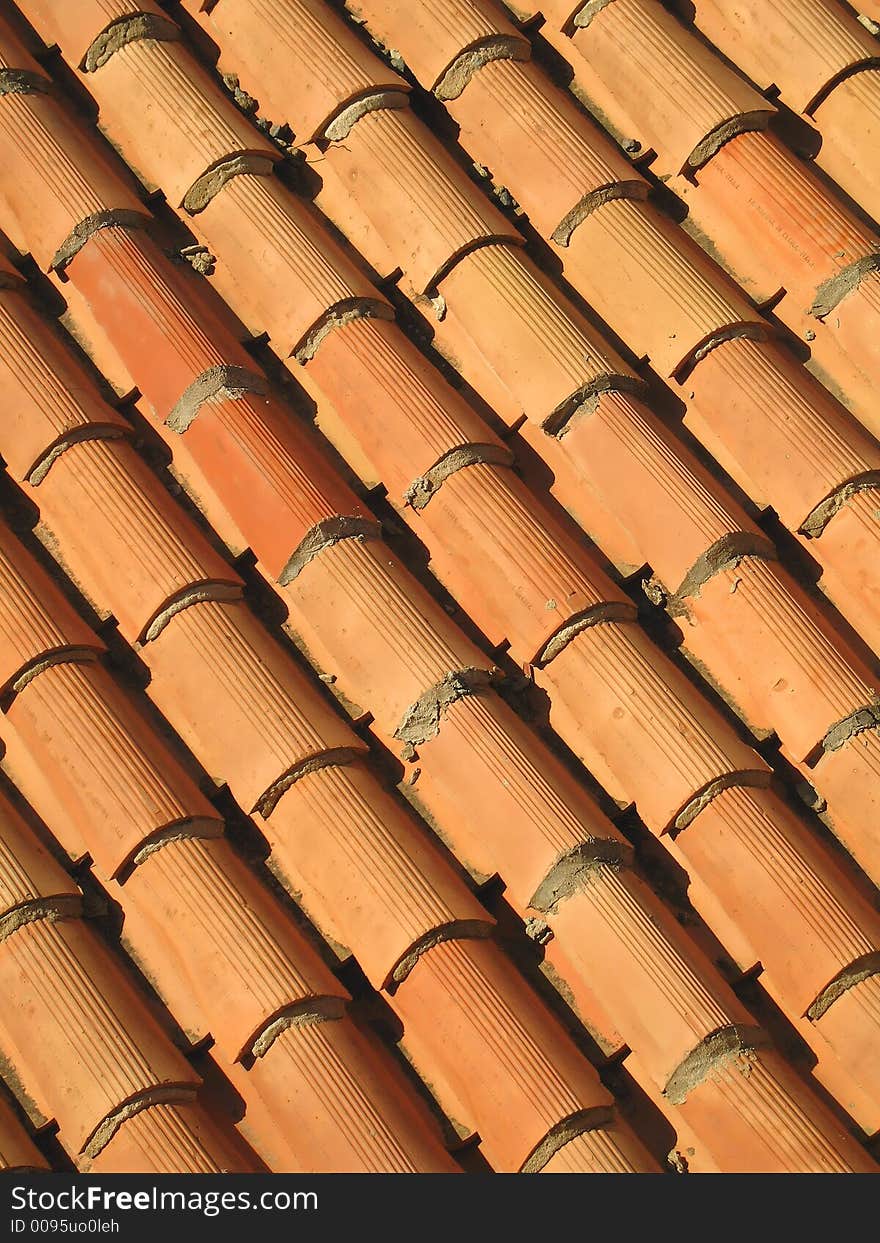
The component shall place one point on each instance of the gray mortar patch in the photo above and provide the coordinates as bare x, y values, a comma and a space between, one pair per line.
183, 830
79, 435
494, 47
598, 615
748, 779
421, 490
733, 332
723, 1046
574, 869
209, 185
116, 218
131, 28
458, 930
23, 82
563, 1133
168, 1094
833, 291
856, 723
726, 553
337, 316
199, 593
591, 9
421, 721
856, 973
62, 656
584, 401
335, 757
595, 199
62, 906
325, 534
340, 126
817, 520
215, 384
745, 123
301, 1014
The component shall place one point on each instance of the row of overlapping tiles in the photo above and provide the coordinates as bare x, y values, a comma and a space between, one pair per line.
765, 215
109, 251
225, 958
780, 434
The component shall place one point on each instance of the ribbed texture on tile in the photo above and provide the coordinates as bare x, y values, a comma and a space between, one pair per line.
167, 1139
242, 963
320, 1075
636, 52
89, 1062
801, 51
431, 42
851, 115
412, 202
366, 876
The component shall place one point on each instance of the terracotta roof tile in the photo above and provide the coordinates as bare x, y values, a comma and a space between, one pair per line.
854, 1014
417, 211
802, 53
527, 812
652, 739
121, 542
591, 1152
655, 289
266, 248
48, 404
75, 26
808, 686
84, 727
846, 555
636, 52
504, 116
544, 580
431, 41
183, 129
851, 113
39, 627
17, 1149
519, 343
30, 879
502, 1082
809, 936
99, 1049
366, 366
766, 1131
323, 1078
150, 308
368, 879
676, 512
807, 236
169, 1139
86, 190
848, 777
242, 964
324, 68
216, 662
658, 990
387, 642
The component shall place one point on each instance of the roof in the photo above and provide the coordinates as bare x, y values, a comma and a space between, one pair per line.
439, 586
